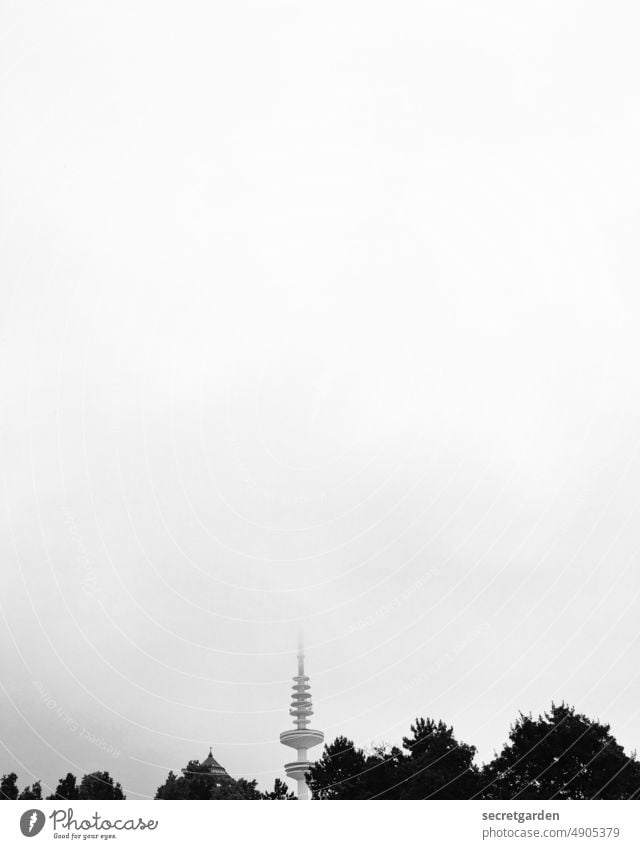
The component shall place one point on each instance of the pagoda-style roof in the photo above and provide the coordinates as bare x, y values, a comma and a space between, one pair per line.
213, 766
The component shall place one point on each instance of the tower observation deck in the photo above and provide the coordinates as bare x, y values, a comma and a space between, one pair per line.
301, 737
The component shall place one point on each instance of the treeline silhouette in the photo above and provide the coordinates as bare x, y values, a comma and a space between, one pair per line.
195, 783
96, 785
560, 755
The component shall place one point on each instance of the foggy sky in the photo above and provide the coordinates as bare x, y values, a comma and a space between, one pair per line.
321, 316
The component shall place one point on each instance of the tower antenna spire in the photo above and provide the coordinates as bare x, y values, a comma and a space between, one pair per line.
300, 653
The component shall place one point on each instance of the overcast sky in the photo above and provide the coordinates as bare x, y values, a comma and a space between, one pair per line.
322, 315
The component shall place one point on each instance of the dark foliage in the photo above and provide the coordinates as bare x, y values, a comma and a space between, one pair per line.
9, 786
240, 789
67, 788
432, 764
196, 782
33, 792
561, 755
438, 766
99, 785
280, 791
338, 774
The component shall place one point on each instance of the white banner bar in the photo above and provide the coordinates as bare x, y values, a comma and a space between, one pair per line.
323, 825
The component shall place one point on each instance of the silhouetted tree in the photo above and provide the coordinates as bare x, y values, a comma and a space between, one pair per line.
561, 755
280, 791
67, 788
434, 765
171, 789
9, 786
33, 792
196, 782
99, 785
382, 777
236, 789
438, 766
338, 774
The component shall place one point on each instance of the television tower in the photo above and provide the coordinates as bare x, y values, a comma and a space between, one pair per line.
301, 737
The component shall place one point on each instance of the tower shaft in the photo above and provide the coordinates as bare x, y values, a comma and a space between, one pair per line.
301, 737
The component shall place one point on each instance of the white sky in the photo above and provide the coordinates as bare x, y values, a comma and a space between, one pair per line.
320, 314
